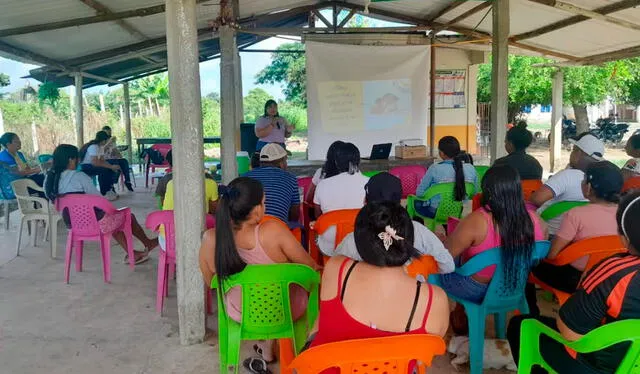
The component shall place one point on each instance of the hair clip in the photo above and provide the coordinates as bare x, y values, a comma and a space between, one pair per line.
387, 237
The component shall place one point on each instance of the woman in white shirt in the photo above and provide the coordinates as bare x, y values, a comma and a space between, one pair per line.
63, 178
93, 163
328, 170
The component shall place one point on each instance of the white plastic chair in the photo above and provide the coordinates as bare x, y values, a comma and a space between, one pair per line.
34, 209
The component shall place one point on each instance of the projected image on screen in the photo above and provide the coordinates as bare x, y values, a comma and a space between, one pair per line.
348, 106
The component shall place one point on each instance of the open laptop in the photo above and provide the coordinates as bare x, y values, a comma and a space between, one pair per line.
379, 152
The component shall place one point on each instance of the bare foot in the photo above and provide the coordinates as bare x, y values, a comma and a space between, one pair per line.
152, 244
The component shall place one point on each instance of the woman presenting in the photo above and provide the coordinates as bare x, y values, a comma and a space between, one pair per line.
271, 128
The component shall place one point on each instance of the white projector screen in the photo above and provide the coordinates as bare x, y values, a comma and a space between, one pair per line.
365, 95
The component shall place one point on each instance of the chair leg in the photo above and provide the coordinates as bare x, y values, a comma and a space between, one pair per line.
286, 355
476, 339
162, 279
500, 322
67, 257
79, 253
6, 214
129, 239
53, 224
105, 249
20, 236
34, 232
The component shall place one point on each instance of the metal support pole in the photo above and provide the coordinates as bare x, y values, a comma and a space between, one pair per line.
556, 121
127, 120
228, 124
432, 100
187, 141
499, 77
79, 111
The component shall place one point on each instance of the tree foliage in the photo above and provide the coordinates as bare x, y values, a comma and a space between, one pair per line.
254, 104
288, 69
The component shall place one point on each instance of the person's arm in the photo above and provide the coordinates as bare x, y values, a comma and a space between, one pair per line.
317, 200
347, 248
566, 234
426, 181
207, 256
427, 243
465, 234
541, 196
290, 247
86, 183
264, 126
583, 311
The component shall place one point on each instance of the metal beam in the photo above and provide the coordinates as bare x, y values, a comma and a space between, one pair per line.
611, 8
346, 19
447, 9
283, 51
591, 14
322, 18
26, 55
97, 77
101, 9
610, 56
468, 14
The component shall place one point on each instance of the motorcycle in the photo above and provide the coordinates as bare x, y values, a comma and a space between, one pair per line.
610, 131
568, 129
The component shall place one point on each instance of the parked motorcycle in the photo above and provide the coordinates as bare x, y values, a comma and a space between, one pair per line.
568, 129
610, 131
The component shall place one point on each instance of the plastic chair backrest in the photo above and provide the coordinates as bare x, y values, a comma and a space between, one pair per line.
6, 192
597, 249
344, 220
391, 355
25, 200
164, 218
423, 266
370, 174
481, 170
529, 186
448, 206
410, 177
305, 184
596, 340
631, 184
43, 158
163, 149
81, 208
559, 208
501, 296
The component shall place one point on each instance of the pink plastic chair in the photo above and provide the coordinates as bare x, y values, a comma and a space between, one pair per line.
167, 258
163, 149
305, 184
85, 226
410, 177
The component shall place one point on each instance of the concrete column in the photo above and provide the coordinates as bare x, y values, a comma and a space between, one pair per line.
432, 100
556, 121
499, 77
79, 111
237, 69
127, 119
229, 122
186, 129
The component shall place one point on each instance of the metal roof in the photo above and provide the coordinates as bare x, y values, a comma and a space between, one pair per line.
119, 40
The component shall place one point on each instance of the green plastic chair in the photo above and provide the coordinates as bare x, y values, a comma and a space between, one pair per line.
481, 170
266, 309
556, 209
370, 174
600, 338
448, 206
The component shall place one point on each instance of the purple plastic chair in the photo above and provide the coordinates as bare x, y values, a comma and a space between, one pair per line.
410, 177
85, 226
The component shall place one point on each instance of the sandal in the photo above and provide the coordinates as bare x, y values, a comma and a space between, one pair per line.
140, 260
258, 351
256, 365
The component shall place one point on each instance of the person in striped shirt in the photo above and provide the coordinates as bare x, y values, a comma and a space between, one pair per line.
282, 198
608, 293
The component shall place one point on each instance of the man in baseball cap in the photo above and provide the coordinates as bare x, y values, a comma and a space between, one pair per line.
280, 186
566, 185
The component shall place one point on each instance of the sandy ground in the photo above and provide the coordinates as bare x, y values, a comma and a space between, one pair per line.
87, 326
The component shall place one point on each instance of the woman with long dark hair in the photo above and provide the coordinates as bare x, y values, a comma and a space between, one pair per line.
456, 167
93, 163
64, 178
240, 239
271, 127
503, 221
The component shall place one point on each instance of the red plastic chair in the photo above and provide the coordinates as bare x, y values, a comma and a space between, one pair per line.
85, 226
631, 184
163, 149
597, 249
344, 220
529, 186
391, 355
410, 177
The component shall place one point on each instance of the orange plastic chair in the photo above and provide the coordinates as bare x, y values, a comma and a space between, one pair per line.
631, 184
529, 186
344, 220
597, 249
391, 355
297, 232
423, 266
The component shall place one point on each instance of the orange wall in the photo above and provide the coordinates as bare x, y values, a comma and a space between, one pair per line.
466, 135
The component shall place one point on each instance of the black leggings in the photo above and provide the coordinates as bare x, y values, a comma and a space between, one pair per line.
106, 177
124, 167
553, 352
563, 278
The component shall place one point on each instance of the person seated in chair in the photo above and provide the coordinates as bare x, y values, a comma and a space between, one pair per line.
63, 178
93, 163
375, 298
453, 168
240, 239
609, 292
566, 185
601, 186
113, 156
632, 167
13, 160
384, 187
517, 141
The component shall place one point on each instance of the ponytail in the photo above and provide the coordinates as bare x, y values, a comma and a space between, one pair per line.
450, 147
61, 157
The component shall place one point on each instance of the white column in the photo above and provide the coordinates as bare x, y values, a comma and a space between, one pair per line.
79, 111
127, 119
499, 77
228, 123
556, 121
186, 129
237, 69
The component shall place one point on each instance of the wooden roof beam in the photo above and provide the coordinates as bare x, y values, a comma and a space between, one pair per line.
468, 14
611, 8
102, 9
594, 15
446, 9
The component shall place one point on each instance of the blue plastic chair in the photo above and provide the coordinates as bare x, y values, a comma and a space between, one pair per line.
7, 196
499, 299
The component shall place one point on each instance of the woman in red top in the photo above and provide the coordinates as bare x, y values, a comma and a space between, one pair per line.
376, 297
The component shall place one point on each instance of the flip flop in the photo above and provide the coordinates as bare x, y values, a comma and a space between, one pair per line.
256, 365
139, 261
258, 351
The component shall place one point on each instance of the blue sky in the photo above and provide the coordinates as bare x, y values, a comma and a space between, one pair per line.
252, 63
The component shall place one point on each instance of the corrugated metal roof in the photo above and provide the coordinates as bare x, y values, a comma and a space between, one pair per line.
109, 50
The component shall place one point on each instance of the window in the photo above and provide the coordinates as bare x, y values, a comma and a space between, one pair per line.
526, 109
545, 108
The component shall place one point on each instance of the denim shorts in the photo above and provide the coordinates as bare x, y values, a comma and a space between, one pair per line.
463, 287
425, 209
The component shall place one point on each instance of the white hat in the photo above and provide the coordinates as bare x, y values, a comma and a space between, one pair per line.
272, 152
591, 145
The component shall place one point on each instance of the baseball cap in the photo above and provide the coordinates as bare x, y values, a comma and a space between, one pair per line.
589, 144
272, 152
383, 187
605, 178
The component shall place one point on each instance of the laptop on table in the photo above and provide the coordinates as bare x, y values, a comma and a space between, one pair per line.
379, 152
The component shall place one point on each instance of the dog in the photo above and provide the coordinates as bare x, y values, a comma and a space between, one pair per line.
497, 353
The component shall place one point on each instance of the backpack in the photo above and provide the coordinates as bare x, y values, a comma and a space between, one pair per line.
154, 156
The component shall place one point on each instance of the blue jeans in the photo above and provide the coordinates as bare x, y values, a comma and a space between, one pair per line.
425, 209
261, 144
463, 287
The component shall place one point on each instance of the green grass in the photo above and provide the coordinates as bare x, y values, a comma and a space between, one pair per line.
538, 126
